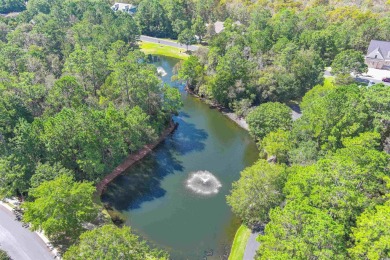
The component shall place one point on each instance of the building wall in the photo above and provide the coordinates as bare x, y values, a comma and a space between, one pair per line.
378, 64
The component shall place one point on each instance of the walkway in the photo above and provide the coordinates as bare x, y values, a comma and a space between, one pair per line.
145, 38
251, 247
20, 243
131, 159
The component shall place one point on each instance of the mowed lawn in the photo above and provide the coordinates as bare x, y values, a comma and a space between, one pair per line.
163, 50
239, 243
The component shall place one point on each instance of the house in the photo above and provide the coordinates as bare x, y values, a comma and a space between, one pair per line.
127, 8
219, 27
378, 55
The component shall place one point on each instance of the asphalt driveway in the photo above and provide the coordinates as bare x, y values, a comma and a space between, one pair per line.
20, 243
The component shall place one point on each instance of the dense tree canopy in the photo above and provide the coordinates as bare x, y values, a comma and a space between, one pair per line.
111, 242
372, 234
76, 97
258, 190
7, 6
269, 117
60, 207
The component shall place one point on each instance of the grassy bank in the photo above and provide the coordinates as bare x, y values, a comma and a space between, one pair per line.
159, 49
239, 243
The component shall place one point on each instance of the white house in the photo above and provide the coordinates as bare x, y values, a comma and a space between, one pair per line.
127, 8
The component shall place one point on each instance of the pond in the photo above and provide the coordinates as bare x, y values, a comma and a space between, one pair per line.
175, 197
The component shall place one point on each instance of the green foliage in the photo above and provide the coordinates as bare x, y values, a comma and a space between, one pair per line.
191, 70
349, 61
111, 242
331, 115
300, 231
60, 207
372, 234
186, 37
13, 178
66, 92
370, 140
46, 172
4, 255
257, 191
343, 184
8, 6
199, 27
277, 144
172, 98
269, 117
152, 19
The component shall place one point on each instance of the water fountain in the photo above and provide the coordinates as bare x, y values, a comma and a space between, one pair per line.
204, 183
161, 71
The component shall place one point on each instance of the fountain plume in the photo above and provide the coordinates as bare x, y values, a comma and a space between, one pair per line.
203, 182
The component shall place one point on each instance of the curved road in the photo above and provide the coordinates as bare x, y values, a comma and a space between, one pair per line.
19, 242
145, 38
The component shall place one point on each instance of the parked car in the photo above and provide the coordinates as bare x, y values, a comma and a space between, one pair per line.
386, 79
371, 83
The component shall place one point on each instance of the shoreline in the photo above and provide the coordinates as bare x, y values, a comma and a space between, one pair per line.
224, 111
133, 158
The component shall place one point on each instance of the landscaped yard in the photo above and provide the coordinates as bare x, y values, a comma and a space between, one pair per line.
239, 243
164, 50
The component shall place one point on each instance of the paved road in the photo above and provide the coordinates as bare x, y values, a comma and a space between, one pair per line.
251, 247
167, 42
19, 242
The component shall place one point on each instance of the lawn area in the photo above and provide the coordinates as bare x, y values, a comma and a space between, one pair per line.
163, 50
239, 243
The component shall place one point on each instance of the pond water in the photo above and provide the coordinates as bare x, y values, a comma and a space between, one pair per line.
175, 197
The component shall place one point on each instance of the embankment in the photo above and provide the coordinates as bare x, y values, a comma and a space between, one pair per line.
133, 158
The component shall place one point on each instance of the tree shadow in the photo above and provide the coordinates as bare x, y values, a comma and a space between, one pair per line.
188, 138
142, 182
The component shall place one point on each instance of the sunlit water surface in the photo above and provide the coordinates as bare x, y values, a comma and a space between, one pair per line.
176, 197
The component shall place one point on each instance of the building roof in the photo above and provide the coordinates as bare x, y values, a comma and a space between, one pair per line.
128, 8
379, 50
219, 27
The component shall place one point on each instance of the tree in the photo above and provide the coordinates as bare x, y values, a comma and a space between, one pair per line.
4, 255
126, 28
258, 190
111, 242
343, 184
13, 179
191, 70
231, 81
331, 114
300, 231
186, 37
349, 61
372, 234
269, 117
47, 172
66, 92
199, 28
152, 19
277, 144
172, 100
8, 6
60, 207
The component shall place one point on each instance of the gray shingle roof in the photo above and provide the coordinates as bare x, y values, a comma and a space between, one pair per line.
379, 47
